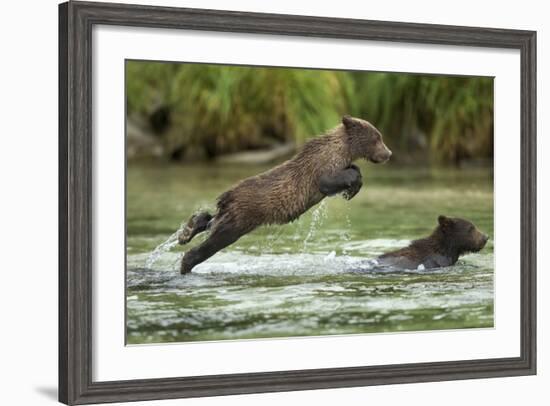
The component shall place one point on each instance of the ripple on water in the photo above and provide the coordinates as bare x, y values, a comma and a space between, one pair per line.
238, 295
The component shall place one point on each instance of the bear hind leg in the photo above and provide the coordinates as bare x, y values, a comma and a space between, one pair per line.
221, 237
198, 223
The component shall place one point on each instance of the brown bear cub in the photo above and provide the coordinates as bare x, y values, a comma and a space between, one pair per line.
452, 238
280, 195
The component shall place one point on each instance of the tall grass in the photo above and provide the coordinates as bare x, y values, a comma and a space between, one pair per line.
214, 109
453, 115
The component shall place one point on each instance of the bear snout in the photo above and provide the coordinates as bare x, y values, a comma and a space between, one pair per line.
385, 155
381, 156
483, 240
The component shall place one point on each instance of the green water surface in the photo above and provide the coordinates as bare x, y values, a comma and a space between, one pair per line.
309, 277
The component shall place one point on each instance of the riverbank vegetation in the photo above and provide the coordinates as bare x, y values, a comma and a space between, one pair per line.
200, 111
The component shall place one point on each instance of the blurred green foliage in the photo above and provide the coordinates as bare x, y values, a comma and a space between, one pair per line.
216, 109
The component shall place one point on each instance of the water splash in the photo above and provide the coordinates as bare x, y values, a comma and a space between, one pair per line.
318, 216
163, 248
271, 240
346, 237
302, 294
330, 256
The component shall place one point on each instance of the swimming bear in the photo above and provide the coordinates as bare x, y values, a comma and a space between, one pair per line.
451, 238
323, 167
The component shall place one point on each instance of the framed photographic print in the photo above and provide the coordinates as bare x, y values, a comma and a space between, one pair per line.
259, 202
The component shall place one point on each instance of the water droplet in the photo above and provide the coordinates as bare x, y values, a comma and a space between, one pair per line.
318, 216
164, 247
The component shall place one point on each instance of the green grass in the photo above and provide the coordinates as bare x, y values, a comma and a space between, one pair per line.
206, 110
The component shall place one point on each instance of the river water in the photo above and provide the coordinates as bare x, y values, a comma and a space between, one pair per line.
310, 277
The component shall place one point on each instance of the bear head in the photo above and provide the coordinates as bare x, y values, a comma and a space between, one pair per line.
365, 140
461, 234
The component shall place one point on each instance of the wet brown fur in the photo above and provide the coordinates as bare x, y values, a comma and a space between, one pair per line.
281, 194
452, 238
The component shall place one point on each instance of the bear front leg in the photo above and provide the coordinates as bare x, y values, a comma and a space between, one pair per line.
347, 181
356, 184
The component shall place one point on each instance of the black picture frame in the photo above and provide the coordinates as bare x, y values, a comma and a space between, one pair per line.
76, 20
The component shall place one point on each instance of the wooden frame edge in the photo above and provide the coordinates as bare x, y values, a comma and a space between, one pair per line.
75, 178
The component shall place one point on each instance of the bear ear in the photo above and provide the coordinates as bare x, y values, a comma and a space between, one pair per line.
348, 121
444, 221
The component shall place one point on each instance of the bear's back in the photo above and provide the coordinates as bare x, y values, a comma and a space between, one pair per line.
283, 193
